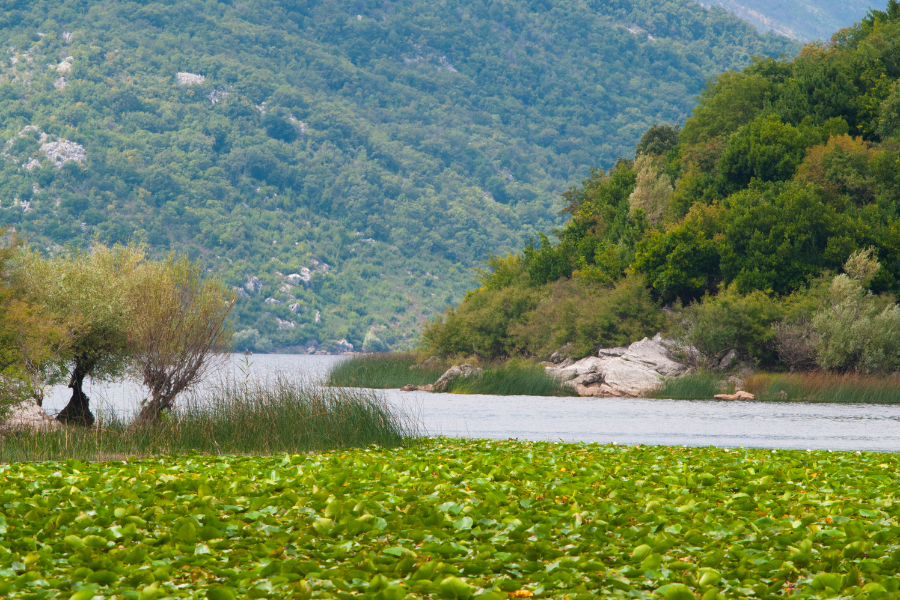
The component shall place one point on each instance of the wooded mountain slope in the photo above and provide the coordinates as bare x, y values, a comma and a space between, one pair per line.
387, 147
800, 19
769, 225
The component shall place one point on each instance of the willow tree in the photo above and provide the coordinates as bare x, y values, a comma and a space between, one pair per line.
179, 330
89, 293
32, 342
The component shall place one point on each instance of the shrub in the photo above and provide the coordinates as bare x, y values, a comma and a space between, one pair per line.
590, 317
857, 331
482, 324
708, 330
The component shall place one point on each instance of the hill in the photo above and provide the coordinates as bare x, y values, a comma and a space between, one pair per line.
768, 226
374, 153
800, 19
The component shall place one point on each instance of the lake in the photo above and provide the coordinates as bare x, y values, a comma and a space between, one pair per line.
603, 420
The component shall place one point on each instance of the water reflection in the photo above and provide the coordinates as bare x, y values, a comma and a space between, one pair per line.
624, 421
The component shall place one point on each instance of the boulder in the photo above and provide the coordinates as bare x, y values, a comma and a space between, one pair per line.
28, 415
461, 371
341, 346
738, 395
253, 285
633, 372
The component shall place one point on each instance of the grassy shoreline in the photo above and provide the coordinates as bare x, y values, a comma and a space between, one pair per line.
392, 371
787, 387
238, 417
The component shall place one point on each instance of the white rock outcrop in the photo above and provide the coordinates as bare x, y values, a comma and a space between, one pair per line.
253, 284
189, 79
65, 66
616, 372
63, 151
303, 277
457, 372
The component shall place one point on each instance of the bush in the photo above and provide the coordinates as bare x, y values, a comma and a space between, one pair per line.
482, 324
708, 330
590, 317
857, 331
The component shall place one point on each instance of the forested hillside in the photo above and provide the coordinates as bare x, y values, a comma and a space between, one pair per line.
769, 225
374, 150
800, 19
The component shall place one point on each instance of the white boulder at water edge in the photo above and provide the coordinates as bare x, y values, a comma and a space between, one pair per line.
633, 372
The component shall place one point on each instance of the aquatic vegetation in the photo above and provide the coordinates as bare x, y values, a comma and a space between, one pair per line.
456, 520
382, 371
508, 378
513, 378
237, 417
823, 387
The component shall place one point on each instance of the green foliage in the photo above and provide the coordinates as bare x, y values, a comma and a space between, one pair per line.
730, 102
857, 331
587, 317
398, 145
729, 322
482, 325
674, 522
658, 140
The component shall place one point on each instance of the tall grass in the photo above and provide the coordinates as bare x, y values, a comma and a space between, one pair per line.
513, 378
384, 371
694, 386
825, 388
237, 417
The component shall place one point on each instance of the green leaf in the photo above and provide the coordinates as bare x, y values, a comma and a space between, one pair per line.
220, 593
679, 591
455, 588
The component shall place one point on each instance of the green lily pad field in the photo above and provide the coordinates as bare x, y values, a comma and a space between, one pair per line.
456, 519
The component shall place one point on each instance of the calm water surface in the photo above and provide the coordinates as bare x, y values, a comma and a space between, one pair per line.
624, 421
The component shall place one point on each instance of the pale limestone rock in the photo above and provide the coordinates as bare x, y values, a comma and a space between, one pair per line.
738, 395
632, 372
461, 371
189, 79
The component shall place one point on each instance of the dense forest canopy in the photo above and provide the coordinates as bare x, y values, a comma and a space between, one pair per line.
786, 174
375, 150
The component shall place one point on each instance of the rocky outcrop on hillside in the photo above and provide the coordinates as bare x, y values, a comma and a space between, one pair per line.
632, 372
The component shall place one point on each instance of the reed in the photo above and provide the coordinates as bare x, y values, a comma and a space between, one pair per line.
512, 378
237, 417
694, 386
824, 387
384, 371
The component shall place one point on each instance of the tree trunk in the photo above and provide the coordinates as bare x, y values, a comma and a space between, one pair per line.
78, 410
152, 411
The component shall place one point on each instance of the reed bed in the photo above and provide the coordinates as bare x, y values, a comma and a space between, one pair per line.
238, 417
694, 386
512, 378
384, 371
825, 388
